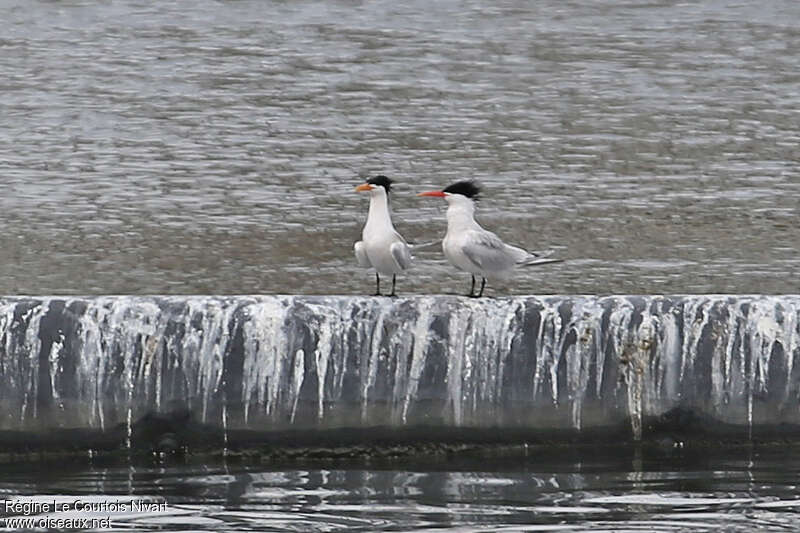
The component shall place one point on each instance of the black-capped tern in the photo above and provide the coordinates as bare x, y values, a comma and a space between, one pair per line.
381, 247
470, 248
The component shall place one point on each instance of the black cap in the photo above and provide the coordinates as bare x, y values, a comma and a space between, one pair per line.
468, 188
383, 181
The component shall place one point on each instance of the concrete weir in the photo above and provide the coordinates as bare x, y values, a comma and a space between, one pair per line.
278, 363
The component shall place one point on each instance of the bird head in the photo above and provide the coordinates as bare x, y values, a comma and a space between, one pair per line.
459, 192
376, 185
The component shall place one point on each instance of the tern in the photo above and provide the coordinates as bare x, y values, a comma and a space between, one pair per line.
381, 247
469, 247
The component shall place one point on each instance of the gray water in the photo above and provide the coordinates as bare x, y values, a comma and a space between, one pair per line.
743, 490
160, 147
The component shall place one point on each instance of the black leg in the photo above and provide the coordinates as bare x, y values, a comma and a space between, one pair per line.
394, 280
472, 289
377, 285
483, 284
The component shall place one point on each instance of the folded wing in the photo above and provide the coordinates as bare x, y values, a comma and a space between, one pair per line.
361, 255
488, 252
401, 254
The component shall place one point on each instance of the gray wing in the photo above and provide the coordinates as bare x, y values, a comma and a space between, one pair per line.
401, 253
537, 262
361, 255
486, 251
532, 258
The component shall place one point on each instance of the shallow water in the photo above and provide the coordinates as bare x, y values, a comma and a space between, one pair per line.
738, 490
149, 147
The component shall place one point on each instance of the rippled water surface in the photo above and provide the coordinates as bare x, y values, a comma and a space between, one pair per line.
213, 147
731, 491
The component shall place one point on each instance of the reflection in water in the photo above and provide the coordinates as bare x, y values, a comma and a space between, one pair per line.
700, 492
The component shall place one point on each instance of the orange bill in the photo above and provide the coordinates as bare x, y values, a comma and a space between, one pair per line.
438, 194
364, 187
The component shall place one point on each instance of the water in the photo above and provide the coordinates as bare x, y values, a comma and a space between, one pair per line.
156, 147
740, 490
151, 147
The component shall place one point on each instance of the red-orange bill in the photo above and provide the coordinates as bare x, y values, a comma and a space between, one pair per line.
438, 194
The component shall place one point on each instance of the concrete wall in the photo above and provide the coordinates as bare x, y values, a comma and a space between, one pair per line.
276, 362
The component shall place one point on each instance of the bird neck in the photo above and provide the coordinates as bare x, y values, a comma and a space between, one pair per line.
379, 215
461, 215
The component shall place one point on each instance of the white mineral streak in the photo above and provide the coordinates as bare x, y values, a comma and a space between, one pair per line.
791, 334
310, 360
20, 372
53, 361
266, 355
771, 323
635, 359
696, 313
369, 360
479, 341
11, 369
723, 380
298, 376
206, 338
668, 358
33, 345
549, 346
587, 350
328, 324
419, 336
456, 363
130, 328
